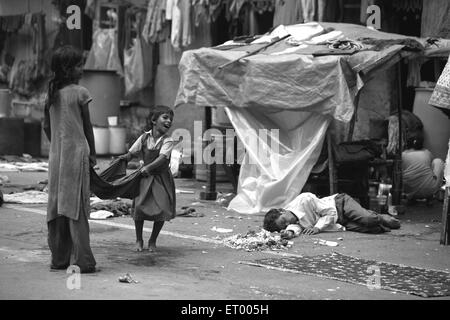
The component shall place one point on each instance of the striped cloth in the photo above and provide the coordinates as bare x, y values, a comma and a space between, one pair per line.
441, 94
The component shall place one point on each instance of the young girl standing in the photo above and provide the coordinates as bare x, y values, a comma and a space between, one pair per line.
156, 199
68, 127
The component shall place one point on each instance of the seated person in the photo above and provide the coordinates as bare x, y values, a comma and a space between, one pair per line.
422, 176
307, 214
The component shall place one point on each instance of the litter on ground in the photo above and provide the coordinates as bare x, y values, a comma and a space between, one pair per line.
127, 279
221, 230
257, 241
27, 197
101, 215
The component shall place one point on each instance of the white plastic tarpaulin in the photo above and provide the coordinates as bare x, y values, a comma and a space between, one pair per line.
294, 92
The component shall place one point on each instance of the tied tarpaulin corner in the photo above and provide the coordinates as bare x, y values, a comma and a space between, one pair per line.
394, 277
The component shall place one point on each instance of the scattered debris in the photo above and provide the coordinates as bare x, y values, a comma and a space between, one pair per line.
184, 191
257, 241
27, 197
119, 207
224, 199
100, 215
326, 243
24, 166
127, 279
221, 230
189, 212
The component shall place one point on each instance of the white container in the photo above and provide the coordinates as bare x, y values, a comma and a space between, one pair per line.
117, 137
101, 137
112, 121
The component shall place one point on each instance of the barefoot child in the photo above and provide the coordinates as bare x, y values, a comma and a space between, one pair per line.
72, 151
156, 199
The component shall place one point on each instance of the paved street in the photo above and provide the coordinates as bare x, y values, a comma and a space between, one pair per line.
192, 262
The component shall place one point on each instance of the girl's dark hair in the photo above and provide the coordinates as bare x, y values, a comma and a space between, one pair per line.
63, 63
415, 142
155, 113
269, 220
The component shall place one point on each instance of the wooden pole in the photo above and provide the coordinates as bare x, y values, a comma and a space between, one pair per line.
397, 181
354, 117
331, 165
445, 233
210, 193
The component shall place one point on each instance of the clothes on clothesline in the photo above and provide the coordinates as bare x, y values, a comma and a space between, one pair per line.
11, 23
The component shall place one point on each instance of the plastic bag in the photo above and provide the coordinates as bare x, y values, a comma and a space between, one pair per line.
138, 66
104, 54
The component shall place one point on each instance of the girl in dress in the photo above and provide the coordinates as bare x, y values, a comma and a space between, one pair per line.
156, 199
72, 150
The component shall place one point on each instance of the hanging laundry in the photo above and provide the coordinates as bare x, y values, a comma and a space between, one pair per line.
436, 19
309, 9
414, 67
200, 11
215, 8
104, 53
138, 54
153, 30
90, 9
181, 33
287, 12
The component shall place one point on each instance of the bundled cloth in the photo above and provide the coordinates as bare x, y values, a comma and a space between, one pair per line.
345, 44
113, 181
409, 44
118, 207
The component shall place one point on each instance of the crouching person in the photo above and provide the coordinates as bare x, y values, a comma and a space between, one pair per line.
307, 214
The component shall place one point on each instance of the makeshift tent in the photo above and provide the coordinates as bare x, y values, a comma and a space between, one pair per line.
297, 89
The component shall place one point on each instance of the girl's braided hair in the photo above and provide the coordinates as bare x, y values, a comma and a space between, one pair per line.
63, 64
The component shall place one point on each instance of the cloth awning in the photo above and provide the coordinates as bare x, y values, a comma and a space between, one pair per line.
267, 90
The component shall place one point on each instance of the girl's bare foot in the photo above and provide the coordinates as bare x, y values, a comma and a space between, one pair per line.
151, 246
139, 245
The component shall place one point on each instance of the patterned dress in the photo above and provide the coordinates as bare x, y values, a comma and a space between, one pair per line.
156, 199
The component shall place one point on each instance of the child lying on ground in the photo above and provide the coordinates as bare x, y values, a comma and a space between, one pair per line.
307, 214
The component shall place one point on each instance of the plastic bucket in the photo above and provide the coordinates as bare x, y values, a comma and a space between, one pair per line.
117, 137
101, 136
5, 102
